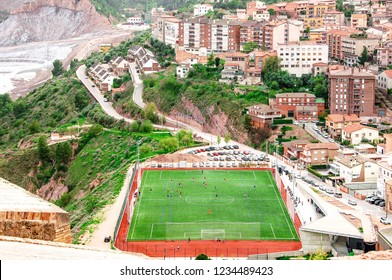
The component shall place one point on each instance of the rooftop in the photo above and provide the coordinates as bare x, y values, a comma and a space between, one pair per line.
318, 146
388, 73
356, 127
295, 94
339, 118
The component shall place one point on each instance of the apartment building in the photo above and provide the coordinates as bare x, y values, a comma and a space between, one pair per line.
384, 55
261, 15
202, 9
262, 115
352, 48
167, 30
317, 9
292, 104
336, 122
254, 6
359, 21
333, 18
212, 35
356, 169
384, 177
384, 81
318, 153
357, 133
313, 23
351, 91
298, 57
334, 42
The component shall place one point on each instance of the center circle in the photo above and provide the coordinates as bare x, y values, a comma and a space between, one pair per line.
209, 198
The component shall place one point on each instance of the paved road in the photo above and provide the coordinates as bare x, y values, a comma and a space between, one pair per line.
309, 129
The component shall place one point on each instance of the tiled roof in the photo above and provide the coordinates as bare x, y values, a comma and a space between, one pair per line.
356, 127
339, 118
319, 146
388, 73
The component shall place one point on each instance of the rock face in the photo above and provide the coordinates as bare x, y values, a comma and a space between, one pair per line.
48, 20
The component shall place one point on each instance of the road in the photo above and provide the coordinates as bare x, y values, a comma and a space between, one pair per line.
309, 129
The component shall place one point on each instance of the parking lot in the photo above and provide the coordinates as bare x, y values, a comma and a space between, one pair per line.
220, 156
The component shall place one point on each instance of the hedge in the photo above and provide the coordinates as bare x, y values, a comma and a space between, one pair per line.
282, 121
315, 173
319, 166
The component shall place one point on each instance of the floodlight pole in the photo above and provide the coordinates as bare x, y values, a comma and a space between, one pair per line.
138, 159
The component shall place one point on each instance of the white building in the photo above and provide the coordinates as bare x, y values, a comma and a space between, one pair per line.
384, 174
356, 170
298, 57
357, 132
135, 20
202, 9
384, 80
261, 15
167, 30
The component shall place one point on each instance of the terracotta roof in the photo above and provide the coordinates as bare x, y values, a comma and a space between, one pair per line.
388, 73
320, 64
319, 146
339, 118
236, 54
356, 127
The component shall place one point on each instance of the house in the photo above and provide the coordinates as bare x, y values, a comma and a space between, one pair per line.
102, 76
384, 81
202, 9
365, 149
232, 72
384, 175
262, 115
356, 169
336, 122
119, 65
293, 149
145, 59
318, 153
359, 20
357, 133
319, 68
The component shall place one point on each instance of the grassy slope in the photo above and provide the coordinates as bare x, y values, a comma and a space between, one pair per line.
263, 206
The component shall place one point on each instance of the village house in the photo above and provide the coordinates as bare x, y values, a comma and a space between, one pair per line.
336, 122
358, 133
145, 59
293, 149
318, 153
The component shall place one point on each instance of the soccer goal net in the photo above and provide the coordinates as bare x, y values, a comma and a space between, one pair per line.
212, 234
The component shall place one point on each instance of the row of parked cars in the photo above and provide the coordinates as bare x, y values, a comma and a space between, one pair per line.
323, 134
213, 148
374, 199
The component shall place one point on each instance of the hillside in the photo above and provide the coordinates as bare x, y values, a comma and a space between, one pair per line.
48, 20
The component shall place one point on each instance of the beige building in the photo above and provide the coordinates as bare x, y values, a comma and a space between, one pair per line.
333, 18
336, 122
384, 81
318, 153
357, 133
356, 169
359, 20
25, 215
262, 115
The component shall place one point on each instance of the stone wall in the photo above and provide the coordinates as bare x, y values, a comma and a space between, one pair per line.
36, 225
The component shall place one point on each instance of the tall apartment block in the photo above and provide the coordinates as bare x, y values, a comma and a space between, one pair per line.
351, 91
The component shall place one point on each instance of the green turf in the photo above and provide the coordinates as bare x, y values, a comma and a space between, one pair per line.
238, 210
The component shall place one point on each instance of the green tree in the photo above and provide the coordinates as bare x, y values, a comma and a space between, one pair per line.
185, 138
227, 138
272, 64
57, 68
43, 149
271, 12
146, 126
35, 126
63, 153
363, 57
135, 126
210, 60
219, 140
169, 144
145, 148
151, 112
202, 257
95, 130
249, 46
217, 61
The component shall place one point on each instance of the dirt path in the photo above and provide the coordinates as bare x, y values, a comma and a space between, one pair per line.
109, 216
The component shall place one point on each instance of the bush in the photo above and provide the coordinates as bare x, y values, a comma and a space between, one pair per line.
282, 121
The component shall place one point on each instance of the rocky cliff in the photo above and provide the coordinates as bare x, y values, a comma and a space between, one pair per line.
48, 20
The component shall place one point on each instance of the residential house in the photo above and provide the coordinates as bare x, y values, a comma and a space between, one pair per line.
298, 57
384, 81
119, 66
356, 169
357, 133
261, 15
318, 153
352, 48
262, 115
232, 72
202, 9
293, 149
336, 122
256, 61
333, 18
145, 59
351, 91
365, 149
254, 6
102, 76
287, 103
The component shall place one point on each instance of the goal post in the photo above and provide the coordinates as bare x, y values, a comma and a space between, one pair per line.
210, 234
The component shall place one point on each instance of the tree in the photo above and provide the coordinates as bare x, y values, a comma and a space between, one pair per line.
227, 138
35, 126
57, 68
95, 130
185, 138
272, 64
63, 153
169, 144
210, 60
43, 149
151, 112
145, 148
364, 56
218, 139
202, 257
272, 12
146, 126
249, 46
217, 61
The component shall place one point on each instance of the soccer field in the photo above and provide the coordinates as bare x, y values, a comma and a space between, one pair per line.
210, 204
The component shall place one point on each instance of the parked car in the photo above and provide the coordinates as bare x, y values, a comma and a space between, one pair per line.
221, 164
330, 191
338, 195
382, 204
378, 201
236, 146
352, 202
385, 221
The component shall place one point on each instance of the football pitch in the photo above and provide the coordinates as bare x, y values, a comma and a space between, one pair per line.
210, 204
